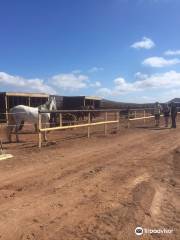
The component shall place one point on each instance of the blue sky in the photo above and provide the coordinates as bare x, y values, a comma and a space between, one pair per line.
126, 50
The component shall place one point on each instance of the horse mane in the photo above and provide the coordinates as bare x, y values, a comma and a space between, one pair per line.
44, 106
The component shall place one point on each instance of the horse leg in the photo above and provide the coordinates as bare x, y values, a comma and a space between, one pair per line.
21, 125
35, 127
91, 117
16, 131
9, 132
45, 136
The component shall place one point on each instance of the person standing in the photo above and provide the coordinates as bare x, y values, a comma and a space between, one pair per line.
166, 113
173, 115
157, 113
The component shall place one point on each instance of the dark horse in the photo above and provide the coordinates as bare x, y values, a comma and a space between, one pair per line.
67, 119
81, 116
72, 117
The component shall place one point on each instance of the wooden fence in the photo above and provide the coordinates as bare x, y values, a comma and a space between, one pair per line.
146, 116
135, 115
87, 125
108, 116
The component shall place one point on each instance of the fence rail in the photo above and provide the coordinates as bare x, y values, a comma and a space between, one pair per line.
96, 110
87, 125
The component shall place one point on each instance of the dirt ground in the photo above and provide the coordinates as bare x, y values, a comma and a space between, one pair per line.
100, 188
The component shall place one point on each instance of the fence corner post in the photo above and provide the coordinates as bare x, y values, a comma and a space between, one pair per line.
60, 119
128, 123
89, 121
144, 116
39, 130
118, 121
105, 125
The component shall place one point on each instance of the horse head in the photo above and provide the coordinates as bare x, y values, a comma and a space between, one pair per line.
49, 105
52, 104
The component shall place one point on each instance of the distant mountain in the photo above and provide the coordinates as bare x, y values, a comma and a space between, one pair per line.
176, 100
105, 104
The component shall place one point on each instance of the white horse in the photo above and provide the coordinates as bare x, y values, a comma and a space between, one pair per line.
21, 114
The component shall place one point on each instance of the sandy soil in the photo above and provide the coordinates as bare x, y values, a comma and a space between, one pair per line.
100, 188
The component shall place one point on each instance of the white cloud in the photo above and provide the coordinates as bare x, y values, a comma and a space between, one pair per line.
161, 81
122, 86
70, 81
146, 43
140, 76
172, 52
168, 80
95, 69
58, 83
160, 62
104, 92
17, 83
73, 82
96, 84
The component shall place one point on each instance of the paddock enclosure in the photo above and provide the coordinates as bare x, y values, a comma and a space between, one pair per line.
93, 122
101, 174
107, 118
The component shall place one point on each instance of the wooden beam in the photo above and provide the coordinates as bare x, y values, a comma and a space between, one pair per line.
76, 126
144, 116
105, 125
39, 132
21, 94
60, 120
135, 114
5, 156
89, 121
93, 98
118, 119
128, 124
134, 119
6, 106
77, 110
1, 146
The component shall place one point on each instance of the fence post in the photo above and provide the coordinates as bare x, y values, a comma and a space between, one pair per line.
144, 116
135, 114
128, 125
6, 106
60, 119
118, 124
105, 125
89, 121
39, 129
1, 147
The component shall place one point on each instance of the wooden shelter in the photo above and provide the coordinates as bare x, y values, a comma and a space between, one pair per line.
76, 102
11, 99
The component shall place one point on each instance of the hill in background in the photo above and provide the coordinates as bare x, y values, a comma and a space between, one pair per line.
113, 104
